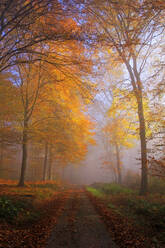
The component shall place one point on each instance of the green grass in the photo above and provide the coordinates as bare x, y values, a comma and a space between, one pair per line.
115, 189
112, 189
147, 212
95, 192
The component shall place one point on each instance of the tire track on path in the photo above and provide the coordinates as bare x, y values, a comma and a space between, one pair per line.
80, 226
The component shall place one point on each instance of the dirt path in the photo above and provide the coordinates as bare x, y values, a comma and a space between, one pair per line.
79, 226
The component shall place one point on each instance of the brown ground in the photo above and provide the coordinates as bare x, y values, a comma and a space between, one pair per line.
79, 226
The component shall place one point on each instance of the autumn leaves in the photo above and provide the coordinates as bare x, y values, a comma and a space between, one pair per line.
48, 71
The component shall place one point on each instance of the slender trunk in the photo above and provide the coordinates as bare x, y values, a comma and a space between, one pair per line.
142, 129
63, 173
118, 164
1, 156
50, 165
45, 161
24, 155
115, 175
137, 87
144, 172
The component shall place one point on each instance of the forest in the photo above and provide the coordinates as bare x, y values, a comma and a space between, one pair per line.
82, 123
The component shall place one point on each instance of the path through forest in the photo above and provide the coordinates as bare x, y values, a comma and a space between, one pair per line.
79, 226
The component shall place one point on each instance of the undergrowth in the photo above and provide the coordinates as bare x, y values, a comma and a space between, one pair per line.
20, 205
95, 192
148, 212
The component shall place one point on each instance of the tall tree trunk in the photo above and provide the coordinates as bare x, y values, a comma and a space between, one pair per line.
45, 162
144, 172
1, 156
137, 87
24, 155
50, 164
115, 174
63, 172
118, 164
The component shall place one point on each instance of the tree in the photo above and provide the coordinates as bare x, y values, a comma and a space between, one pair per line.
156, 153
29, 82
128, 29
25, 24
45, 93
9, 135
62, 124
157, 168
118, 133
121, 128
33, 34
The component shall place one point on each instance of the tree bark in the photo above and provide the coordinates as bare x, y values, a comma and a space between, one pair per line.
1, 156
115, 174
118, 164
45, 162
24, 155
142, 132
137, 88
50, 164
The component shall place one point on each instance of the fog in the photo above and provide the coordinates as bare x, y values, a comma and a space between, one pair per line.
92, 169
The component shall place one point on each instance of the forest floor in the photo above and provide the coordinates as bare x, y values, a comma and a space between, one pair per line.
49, 215
133, 221
80, 226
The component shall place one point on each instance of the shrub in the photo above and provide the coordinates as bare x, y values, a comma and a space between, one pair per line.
11, 209
153, 212
8, 210
157, 185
